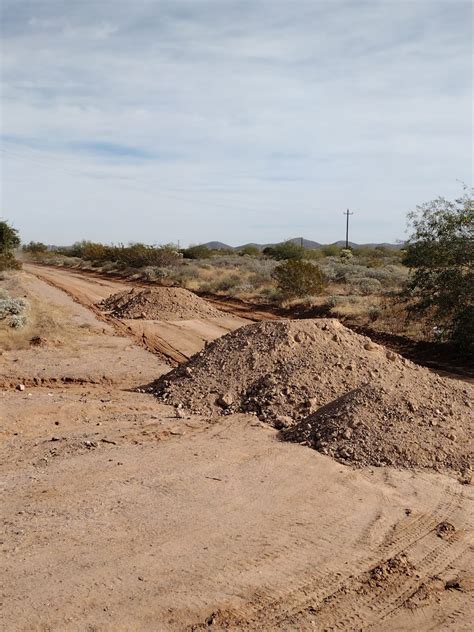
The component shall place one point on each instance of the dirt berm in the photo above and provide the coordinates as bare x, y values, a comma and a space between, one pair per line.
163, 303
285, 371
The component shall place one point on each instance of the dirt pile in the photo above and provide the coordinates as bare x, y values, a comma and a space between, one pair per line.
163, 303
277, 369
413, 421
379, 408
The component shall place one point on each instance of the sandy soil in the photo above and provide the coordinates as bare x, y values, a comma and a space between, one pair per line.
121, 513
176, 340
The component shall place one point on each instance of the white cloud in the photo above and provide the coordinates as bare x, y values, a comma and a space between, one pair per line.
257, 116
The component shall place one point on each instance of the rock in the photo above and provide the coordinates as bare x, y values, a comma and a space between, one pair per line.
225, 400
180, 413
283, 421
20, 387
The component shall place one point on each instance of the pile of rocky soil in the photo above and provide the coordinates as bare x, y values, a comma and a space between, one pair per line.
278, 369
379, 407
162, 303
421, 421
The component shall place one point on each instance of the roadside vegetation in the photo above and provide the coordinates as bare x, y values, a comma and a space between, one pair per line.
9, 241
423, 289
440, 253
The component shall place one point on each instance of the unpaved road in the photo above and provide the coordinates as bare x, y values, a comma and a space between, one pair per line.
177, 340
119, 516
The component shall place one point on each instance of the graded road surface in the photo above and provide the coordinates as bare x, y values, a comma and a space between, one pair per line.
120, 513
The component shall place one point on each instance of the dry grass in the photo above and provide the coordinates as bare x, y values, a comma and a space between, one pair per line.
45, 325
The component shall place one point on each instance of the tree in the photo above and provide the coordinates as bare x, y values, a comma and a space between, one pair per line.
197, 252
9, 240
440, 253
35, 247
297, 279
284, 251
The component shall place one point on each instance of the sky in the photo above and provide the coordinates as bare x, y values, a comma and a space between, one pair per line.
234, 120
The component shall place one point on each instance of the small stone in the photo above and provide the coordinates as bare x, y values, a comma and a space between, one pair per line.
20, 387
283, 421
180, 414
225, 400
347, 434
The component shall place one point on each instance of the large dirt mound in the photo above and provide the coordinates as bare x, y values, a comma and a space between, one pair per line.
282, 370
163, 303
425, 422
387, 410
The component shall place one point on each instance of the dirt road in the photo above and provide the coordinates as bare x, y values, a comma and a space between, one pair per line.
176, 340
123, 514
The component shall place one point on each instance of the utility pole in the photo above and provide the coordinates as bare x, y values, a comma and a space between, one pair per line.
346, 213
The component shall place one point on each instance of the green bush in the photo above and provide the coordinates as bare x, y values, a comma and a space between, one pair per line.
297, 279
440, 254
9, 240
288, 250
197, 252
131, 256
251, 251
8, 262
35, 247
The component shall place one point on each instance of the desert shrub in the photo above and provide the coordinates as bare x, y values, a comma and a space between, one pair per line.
272, 294
35, 247
227, 283
346, 254
13, 310
332, 301
288, 250
9, 240
369, 286
131, 256
297, 279
261, 267
251, 251
331, 250
8, 262
17, 321
374, 312
197, 252
153, 274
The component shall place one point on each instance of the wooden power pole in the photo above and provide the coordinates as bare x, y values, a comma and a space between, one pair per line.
346, 213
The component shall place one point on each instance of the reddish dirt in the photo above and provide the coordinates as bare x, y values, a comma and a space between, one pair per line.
161, 303
121, 513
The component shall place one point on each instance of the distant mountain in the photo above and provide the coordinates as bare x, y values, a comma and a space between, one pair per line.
342, 243
307, 243
217, 245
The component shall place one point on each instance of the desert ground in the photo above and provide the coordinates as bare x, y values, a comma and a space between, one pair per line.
122, 512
